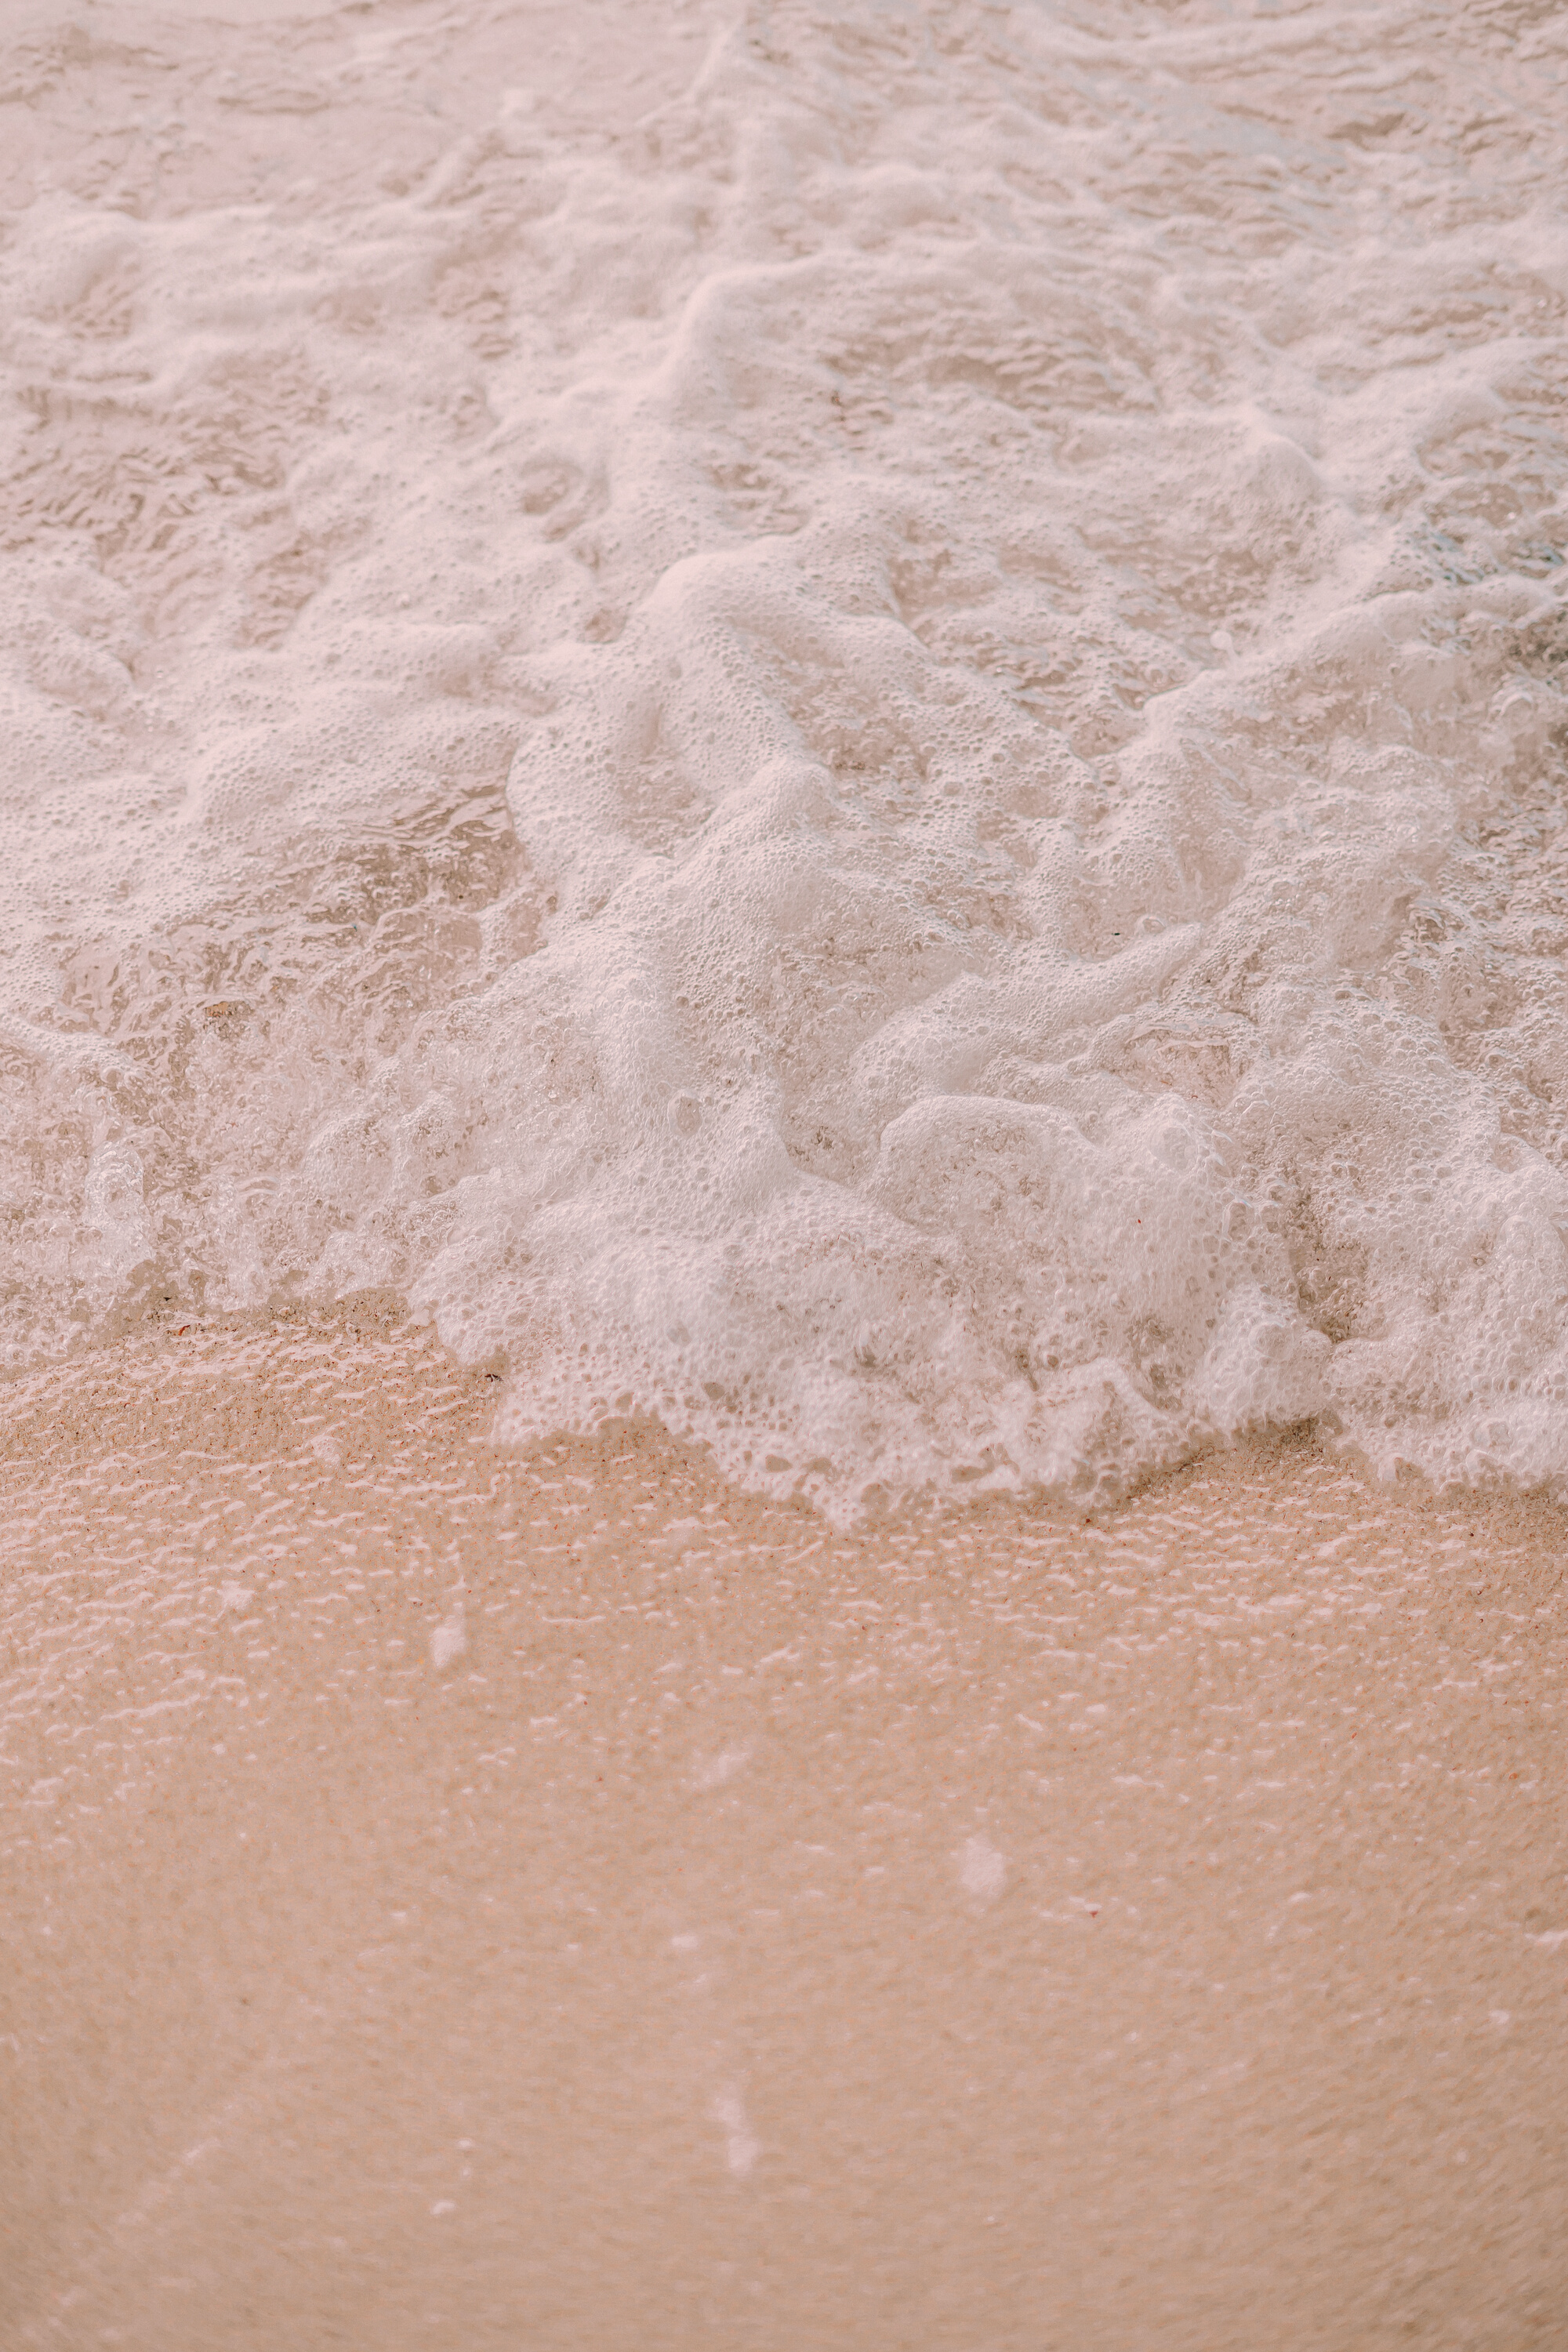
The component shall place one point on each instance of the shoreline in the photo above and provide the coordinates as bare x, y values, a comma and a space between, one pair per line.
246, 1344
455, 1897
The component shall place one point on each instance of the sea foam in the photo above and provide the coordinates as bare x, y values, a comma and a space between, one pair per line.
846, 728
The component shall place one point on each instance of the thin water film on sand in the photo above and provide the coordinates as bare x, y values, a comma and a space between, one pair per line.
459, 1898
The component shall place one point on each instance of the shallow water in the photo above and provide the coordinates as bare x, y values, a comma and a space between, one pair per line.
842, 723
840, 729
451, 1898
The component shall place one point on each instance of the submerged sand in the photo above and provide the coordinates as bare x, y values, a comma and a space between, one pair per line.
459, 1898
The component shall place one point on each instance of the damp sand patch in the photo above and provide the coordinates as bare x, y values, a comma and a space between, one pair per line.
452, 1896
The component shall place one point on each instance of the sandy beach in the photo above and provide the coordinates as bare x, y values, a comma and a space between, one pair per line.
838, 728
460, 1897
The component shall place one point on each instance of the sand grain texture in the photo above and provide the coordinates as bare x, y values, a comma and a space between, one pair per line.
453, 1896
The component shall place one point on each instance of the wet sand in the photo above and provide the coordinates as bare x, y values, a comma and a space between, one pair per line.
457, 1898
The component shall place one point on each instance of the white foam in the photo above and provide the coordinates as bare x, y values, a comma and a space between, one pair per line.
448, 1638
867, 757
742, 2146
981, 1871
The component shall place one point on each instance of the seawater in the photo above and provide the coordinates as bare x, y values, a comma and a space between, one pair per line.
840, 723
